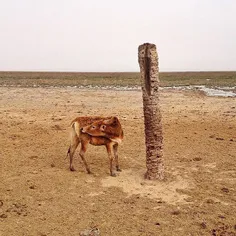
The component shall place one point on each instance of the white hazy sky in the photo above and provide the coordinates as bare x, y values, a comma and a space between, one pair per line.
104, 35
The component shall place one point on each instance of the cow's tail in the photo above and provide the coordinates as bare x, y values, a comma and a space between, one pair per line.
68, 152
75, 130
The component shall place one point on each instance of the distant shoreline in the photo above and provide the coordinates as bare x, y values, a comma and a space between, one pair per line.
104, 72
63, 79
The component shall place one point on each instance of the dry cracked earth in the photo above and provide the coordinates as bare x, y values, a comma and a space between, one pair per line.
40, 196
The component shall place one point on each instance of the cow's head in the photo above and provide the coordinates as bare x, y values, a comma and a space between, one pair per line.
106, 128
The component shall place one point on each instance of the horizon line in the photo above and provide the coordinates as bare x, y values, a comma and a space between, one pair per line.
63, 71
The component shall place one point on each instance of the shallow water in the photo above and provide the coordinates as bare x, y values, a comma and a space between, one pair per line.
216, 92
220, 92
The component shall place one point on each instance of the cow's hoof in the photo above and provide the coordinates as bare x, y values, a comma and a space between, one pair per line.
72, 168
113, 174
118, 169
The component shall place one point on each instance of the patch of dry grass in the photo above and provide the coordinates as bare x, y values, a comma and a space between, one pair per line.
61, 79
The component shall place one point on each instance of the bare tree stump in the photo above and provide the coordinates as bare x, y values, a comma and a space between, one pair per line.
148, 62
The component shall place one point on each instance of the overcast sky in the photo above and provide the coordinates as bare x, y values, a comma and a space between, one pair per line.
104, 35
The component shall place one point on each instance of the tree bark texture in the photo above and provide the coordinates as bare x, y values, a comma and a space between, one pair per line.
148, 62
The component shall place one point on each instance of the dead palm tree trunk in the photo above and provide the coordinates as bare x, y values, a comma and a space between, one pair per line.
148, 62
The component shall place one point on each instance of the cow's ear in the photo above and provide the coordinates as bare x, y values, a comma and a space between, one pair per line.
109, 121
103, 127
115, 120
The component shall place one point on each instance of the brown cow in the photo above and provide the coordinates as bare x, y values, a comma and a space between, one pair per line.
97, 131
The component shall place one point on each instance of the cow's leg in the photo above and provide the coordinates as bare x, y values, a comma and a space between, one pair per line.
73, 145
115, 149
83, 149
110, 156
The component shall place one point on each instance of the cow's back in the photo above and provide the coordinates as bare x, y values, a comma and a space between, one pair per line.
88, 120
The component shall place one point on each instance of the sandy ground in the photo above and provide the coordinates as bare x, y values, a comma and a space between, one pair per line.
40, 196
